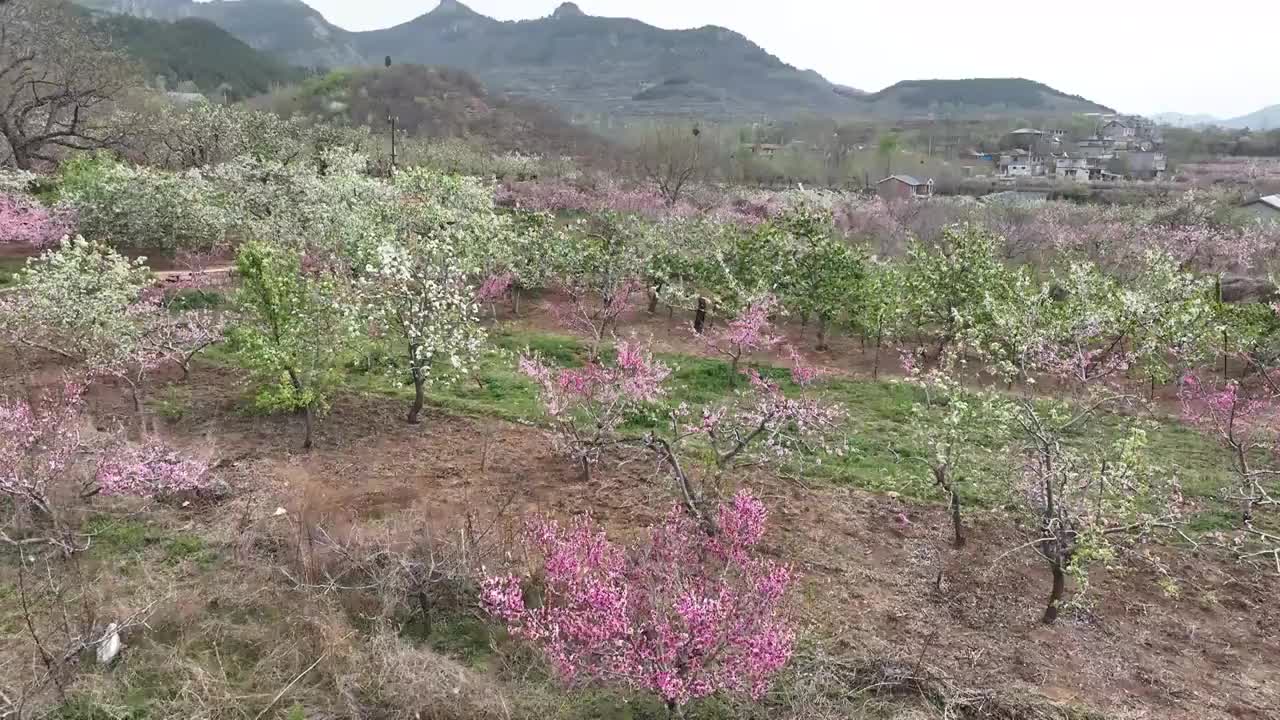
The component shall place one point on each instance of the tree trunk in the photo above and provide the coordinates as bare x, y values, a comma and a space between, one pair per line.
21, 159
1055, 596
419, 381
875, 371
955, 520
822, 333
515, 300
424, 605
700, 316
1226, 374
586, 470
308, 421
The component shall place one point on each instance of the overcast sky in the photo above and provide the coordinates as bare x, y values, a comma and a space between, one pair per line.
1145, 56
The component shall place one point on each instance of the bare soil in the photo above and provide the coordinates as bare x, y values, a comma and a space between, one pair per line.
878, 575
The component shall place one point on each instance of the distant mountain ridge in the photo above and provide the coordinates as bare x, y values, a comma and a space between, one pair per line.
1183, 120
595, 65
1268, 118
1018, 94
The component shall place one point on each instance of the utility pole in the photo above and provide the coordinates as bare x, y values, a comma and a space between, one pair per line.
392, 119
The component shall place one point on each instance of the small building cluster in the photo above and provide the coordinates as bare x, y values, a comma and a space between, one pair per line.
1121, 147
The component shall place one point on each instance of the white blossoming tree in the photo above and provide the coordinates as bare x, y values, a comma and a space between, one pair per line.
419, 291
73, 302
420, 287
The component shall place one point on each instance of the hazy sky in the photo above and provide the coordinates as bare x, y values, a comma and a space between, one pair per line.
1142, 56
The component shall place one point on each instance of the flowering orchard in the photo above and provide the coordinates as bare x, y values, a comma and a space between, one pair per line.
1245, 419
1036, 343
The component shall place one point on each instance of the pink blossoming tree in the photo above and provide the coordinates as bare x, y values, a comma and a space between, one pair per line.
587, 405
41, 447
684, 615
750, 332
1245, 421
23, 221
760, 425
49, 473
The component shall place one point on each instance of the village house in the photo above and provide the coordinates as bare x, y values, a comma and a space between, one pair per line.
765, 149
1145, 165
1096, 147
903, 187
1118, 129
1020, 163
1066, 167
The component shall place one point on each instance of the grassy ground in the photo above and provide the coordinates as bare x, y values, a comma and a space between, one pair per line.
882, 451
9, 267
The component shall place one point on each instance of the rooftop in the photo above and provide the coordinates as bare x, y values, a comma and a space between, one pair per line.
1272, 201
903, 178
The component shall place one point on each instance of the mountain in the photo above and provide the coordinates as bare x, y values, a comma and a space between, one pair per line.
290, 29
1182, 120
990, 95
1267, 118
437, 102
200, 52
588, 65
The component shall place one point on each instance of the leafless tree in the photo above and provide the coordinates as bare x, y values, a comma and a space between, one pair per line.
671, 158
58, 77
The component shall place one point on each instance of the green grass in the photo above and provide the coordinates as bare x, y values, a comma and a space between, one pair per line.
879, 449
172, 403
461, 637
183, 548
496, 388
128, 539
9, 269
117, 537
196, 299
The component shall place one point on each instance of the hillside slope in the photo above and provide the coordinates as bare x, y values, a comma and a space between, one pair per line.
979, 94
289, 29
198, 51
438, 102
1268, 118
617, 65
